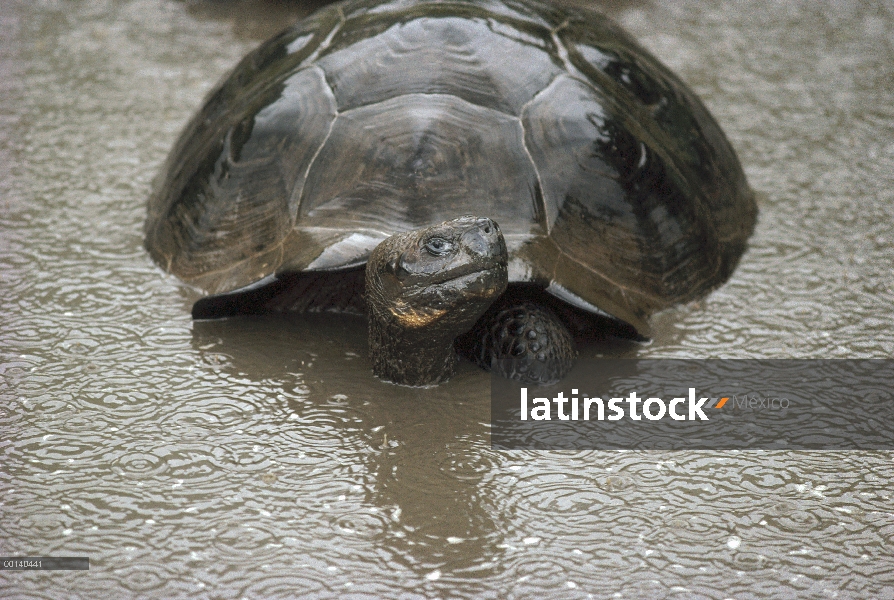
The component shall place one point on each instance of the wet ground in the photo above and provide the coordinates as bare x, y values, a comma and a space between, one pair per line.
259, 458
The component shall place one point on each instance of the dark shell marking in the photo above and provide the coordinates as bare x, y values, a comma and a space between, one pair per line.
615, 189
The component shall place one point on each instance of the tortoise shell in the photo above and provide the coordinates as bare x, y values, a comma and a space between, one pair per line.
614, 187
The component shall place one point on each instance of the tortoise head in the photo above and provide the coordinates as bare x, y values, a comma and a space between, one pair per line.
426, 287
443, 275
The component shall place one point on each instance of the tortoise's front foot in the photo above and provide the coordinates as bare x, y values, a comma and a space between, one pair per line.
524, 341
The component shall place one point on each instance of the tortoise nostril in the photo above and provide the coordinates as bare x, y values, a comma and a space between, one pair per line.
487, 229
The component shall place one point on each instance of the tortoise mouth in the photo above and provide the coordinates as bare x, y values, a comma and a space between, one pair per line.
463, 293
487, 283
473, 279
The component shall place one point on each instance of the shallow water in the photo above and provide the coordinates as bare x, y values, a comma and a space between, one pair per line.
259, 458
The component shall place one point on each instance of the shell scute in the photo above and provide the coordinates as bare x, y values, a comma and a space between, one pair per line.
419, 159
374, 61
256, 162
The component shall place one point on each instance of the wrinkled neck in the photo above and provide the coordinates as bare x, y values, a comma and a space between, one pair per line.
407, 345
408, 356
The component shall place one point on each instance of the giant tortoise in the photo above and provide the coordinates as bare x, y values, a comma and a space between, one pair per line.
340, 164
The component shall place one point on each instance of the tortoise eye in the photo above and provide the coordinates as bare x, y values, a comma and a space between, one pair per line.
438, 246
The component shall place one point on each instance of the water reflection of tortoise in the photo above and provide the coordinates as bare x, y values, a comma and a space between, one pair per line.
363, 132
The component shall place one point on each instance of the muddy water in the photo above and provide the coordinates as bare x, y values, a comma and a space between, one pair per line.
259, 458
